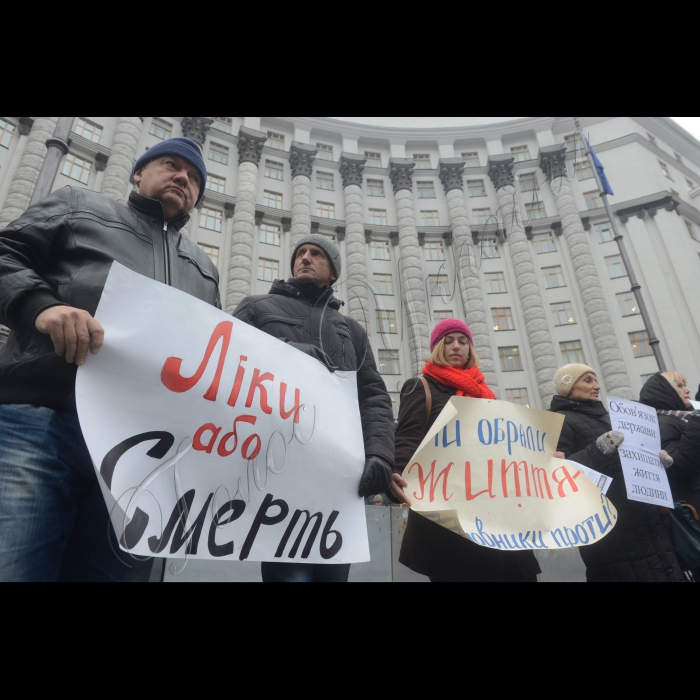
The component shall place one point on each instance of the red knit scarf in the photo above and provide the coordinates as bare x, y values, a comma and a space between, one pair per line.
468, 382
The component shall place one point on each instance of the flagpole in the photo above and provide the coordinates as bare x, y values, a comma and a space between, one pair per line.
627, 262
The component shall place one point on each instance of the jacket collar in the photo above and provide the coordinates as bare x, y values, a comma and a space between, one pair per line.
310, 292
153, 209
660, 394
591, 408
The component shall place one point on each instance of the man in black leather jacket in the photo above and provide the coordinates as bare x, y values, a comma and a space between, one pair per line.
54, 262
304, 313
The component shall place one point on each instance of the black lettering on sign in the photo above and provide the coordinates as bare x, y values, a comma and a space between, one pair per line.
290, 531
236, 508
262, 518
330, 552
179, 518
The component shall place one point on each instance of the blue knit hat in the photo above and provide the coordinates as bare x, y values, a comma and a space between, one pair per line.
182, 148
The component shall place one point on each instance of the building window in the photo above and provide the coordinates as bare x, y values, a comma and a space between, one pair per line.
510, 359
426, 190
476, 188
544, 243
422, 161
212, 252
692, 231
268, 270
519, 397
503, 320
521, 153
640, 344
593, 200
374, 160
381, 250
88, 130
439, 285
77, 168
325, 152
272, 199
495, 283
573, 143
604, 232
563, 314
270, 235
584, 170
161, 129
224, 124
536, 210
375, 188
647, 377
472, 159
572, 352
275, 140
665, 169
627, 302
325, 210
216, 184
325, 181
386, 321
528, 182
211, 219
553, 277
273, 170
389, 363
377, 217
482, 216
489, 249
383, 285
218, 153
616, 267
429, 218
395, 403
6, 132
434, 252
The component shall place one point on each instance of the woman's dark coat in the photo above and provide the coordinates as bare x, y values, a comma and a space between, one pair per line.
680, 439
428, 548
638, 550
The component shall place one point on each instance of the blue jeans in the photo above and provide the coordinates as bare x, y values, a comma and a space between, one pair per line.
305, 573
54, 524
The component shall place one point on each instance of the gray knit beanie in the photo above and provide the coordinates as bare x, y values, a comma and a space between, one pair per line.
326, 246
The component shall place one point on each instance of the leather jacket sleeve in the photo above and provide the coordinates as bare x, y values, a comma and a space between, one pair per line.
682, 442
590, 456
25, 246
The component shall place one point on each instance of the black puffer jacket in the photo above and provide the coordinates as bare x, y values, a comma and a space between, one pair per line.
299, 313
59, 253
638, 549
680, 439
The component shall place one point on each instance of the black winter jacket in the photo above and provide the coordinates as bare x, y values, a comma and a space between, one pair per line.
638, 549
680, 439
59, 253
299, 313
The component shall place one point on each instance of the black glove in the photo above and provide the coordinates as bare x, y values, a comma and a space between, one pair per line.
316, 353
377, 477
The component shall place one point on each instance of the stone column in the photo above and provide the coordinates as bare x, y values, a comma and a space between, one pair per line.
28, 169
467, 265
539, 337
302, 157
410, 264
57, 147
197, 129
610, 359
352, 168
117, 179
240, 275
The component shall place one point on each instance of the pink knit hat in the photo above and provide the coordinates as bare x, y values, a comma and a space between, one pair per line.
450, 325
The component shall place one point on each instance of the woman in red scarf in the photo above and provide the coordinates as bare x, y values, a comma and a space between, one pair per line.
428, 548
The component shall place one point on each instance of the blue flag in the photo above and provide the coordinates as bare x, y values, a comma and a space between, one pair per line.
601, 172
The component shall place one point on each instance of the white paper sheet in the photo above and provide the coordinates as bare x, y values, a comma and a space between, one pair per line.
600, 481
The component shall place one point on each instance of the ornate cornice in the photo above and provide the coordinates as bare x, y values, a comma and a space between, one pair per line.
352, 168
250, 145
401, 172
452, 173
553, 162
25, 125
197, 128
302, 157
502, 171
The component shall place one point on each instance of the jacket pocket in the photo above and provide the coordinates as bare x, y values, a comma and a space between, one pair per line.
341, 335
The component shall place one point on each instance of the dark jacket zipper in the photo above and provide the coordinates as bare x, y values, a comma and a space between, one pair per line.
166, 250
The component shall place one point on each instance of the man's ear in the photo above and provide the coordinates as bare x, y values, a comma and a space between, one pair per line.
138, 177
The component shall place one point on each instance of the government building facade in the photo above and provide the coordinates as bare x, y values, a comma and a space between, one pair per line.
500, 224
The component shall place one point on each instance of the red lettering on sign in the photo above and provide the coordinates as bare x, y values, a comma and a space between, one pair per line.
297, 404
224, 450
566, 479
197, 441
423, 480
468, 482
258, 385
239, 382
515, 466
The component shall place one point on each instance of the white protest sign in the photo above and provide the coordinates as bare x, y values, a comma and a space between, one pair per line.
696, 405
645, 476
213, 440
600, 481
486, 471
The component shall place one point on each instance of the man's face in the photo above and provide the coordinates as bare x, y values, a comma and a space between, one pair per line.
174, 182
312, 266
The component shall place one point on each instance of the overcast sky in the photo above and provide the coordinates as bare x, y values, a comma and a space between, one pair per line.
692, 124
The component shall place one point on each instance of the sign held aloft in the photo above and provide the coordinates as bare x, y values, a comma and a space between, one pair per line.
486, 471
